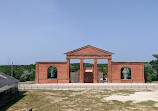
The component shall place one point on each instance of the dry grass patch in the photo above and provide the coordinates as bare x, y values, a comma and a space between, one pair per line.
75, 100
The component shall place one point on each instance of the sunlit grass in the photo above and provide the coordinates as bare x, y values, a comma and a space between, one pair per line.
75, 100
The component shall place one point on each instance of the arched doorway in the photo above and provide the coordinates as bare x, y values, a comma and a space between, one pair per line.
52, 72
125, 73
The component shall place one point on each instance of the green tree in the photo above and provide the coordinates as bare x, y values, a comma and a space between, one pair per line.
149, 77
74, 67
27, 75
150, 73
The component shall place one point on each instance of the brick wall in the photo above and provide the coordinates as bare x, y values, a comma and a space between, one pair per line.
42, 72
137, 72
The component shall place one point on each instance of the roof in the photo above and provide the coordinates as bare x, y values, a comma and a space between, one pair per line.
6, 80
88, 46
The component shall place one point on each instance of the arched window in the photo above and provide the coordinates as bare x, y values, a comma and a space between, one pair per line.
52, 72
125, 73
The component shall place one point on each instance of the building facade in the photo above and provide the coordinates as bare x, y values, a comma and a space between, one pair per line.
118, 72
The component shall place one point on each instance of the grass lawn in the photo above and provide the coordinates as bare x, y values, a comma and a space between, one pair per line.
75, 100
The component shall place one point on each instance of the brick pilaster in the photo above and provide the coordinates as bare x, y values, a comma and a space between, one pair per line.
81, 71
68, 69
95, 75
109, 71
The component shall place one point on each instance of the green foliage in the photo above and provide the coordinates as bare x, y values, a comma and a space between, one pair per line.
27, 75
150, 71
74, 67
6, 69
149, 77
88, 65
19, 70
154, 64
27, 72
103, 68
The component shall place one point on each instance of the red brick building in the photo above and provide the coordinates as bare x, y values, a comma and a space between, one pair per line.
116, 70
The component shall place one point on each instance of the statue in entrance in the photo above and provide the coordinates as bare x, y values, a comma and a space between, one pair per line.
125, 73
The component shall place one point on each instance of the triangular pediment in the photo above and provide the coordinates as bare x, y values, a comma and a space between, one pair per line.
88, 50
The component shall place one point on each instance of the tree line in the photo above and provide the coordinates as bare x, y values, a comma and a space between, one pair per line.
27, 72
151, 71
20, 72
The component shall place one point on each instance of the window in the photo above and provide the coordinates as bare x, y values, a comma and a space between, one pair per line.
125, 73
52, 72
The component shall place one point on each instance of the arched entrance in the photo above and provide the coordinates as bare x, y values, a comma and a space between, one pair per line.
52, 72
125, 73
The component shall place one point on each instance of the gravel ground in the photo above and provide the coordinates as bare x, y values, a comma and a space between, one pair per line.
136, 97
